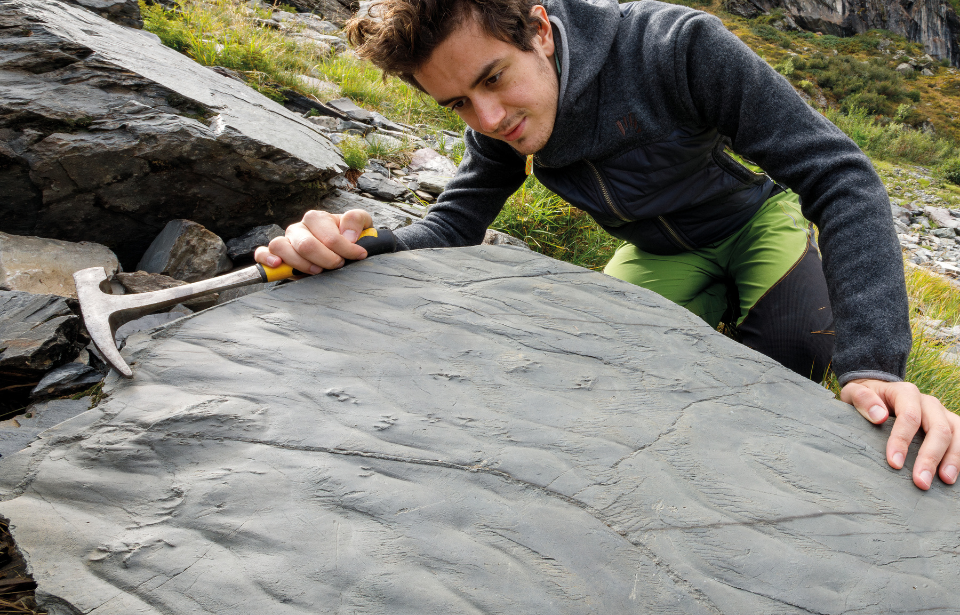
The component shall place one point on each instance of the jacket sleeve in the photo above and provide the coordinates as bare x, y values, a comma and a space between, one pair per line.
490, 172
719, 80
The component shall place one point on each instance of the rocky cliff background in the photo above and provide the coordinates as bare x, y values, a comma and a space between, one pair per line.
931, 22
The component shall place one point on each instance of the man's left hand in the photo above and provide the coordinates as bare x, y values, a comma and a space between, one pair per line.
876, 400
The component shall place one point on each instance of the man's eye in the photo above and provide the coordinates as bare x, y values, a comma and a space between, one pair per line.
456, 105
495, 78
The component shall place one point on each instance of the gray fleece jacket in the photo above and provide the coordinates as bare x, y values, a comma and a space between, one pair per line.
650, 93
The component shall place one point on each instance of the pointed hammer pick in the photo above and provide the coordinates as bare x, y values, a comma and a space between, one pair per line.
103, 313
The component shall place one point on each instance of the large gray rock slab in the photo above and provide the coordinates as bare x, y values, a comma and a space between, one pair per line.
105, 135
481, 430
46, 266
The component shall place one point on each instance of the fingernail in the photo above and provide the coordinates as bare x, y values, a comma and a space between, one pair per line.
274, 261
898, 460
951, 472
876, 414
314, 270
351, 235
926, 477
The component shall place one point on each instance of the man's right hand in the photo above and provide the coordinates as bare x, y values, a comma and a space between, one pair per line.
320, 241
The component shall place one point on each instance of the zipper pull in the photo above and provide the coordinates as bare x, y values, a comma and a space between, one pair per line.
529, 168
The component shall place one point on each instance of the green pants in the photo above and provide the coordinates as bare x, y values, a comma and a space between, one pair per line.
765, 281
753, 259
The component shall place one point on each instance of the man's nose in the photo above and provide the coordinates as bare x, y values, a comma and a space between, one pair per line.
490, 113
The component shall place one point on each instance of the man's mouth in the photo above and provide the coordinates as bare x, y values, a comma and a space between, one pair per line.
514, 133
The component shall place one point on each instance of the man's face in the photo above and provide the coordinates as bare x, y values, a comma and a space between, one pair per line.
497, 89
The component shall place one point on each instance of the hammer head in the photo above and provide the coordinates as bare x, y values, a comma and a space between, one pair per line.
101, 315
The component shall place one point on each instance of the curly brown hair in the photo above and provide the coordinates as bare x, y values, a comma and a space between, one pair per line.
398, 36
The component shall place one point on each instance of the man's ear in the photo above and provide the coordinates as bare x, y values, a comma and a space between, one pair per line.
544, 36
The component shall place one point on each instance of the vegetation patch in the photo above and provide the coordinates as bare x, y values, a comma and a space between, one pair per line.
555, 228
226, 33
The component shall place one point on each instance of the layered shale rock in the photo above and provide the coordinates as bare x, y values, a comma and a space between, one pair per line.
931, 22
123, 12
37, 333
105, 135
479, 430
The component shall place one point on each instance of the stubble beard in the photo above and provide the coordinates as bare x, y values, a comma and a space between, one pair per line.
522, 146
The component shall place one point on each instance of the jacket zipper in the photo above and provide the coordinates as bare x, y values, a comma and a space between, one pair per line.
674, 234
606, 194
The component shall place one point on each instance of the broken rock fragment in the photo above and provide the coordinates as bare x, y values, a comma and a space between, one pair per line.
46, 266
143, 282
434, 183
426, 159
37, 333
66, 379
380, 186
941, 216
351, 110
498, 238
243, 247
186, 251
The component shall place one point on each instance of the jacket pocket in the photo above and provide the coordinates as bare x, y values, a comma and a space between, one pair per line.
726, 162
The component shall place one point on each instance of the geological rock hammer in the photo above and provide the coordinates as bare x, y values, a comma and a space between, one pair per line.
103, 313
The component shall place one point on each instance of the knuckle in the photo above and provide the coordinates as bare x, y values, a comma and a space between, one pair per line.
315, 216
908, 387
910, 417
942, 429
303, 243
277, 243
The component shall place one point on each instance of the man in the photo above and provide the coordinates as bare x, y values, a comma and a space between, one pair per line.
627, 112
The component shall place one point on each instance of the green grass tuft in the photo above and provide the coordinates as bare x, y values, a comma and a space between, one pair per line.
555, 228
354, 151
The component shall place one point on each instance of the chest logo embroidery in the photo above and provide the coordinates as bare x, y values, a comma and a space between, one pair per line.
628, 124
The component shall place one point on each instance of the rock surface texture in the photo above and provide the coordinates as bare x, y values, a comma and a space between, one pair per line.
185, 250
481, 430
931, 22
37, 333
123, 12
46, 266
17, 433
105, 135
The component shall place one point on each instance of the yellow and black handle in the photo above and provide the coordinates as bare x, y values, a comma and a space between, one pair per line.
373, 240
